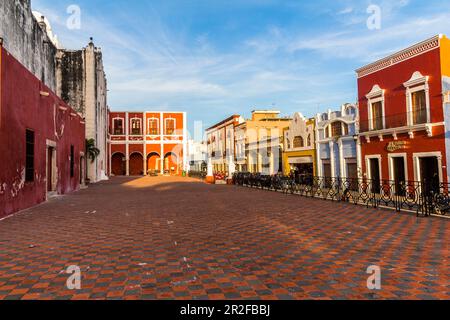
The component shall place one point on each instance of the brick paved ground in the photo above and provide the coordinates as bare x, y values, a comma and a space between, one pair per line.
173, 238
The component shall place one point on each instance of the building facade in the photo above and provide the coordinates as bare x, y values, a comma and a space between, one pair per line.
41, 140
81, 82
75, 76
404, 114
197, 156
259, 142
142, 143
220, 140
336, 134
27, 36
299, 156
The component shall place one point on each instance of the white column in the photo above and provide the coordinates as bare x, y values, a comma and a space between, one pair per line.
231, 166
319, 158
109, 159
342, 170
145, 159
185, 156
127, 159
127, 151
144, 133
332, 160
210, 167
359, 158
161, 132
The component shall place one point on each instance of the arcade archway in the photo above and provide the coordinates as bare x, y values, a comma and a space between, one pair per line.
118, 164
136, 164
154, 163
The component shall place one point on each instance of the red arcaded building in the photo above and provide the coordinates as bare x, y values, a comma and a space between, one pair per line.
142, 143
402, 108
42, 140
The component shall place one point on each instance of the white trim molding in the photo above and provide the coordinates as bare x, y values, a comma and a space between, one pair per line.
391, 164
114, 127
417, 83
158, 127
140, 126
174, 126
374, 96
368, 168
416, 158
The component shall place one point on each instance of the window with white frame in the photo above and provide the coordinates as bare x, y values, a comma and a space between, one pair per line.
153, 126
136, 126
417, 99
170, 125
376, 108
118, 128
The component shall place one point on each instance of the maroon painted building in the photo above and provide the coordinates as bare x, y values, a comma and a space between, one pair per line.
42, 140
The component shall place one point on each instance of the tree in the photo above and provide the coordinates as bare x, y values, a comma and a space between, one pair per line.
92, 151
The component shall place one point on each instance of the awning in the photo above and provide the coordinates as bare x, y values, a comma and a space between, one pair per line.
301, 160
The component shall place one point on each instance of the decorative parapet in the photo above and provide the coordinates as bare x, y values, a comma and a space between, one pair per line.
401, 56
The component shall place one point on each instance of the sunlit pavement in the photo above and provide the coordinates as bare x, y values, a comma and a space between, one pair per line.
178, 238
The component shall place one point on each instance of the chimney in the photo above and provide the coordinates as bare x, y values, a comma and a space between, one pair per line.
42, 23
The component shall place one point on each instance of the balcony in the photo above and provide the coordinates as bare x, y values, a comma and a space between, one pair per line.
397, 121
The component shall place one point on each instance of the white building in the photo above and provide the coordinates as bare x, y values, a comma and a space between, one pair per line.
197, 156
81, 82
337, 148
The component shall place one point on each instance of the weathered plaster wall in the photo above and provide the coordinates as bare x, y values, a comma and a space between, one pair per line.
23, 107
81, 82
24, 38
70, 77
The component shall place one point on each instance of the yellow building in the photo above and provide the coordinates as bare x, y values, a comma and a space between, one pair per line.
259, 142
300, 147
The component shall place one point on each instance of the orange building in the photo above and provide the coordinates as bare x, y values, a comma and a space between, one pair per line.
142, 143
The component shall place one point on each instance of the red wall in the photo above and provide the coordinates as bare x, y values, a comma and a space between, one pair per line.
22, 107
391, 80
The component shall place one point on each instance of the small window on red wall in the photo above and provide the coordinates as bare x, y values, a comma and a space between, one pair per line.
153, 127
170, 127
136, 127
118, 127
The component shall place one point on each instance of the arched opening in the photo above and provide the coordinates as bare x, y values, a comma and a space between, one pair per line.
118, 164
153, 163
136, 164
171, 165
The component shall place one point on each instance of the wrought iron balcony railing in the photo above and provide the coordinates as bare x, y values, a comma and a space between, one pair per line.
393, 121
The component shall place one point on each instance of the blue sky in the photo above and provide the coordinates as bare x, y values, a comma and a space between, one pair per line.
220, 57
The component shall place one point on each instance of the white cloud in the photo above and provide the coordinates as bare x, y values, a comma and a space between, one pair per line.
346, 11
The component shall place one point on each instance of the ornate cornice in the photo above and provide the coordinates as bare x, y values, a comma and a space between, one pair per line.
400, 56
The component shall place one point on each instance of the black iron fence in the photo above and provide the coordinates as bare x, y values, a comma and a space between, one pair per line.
420, 197
198, 174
